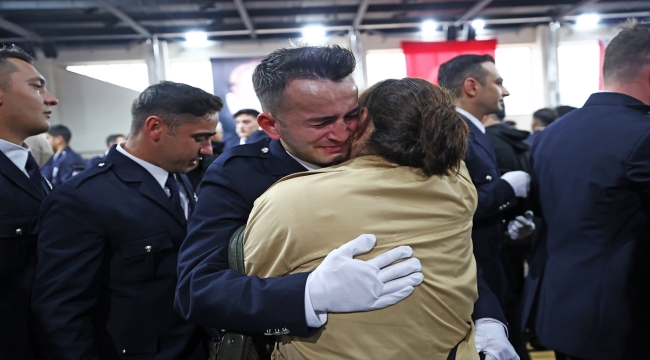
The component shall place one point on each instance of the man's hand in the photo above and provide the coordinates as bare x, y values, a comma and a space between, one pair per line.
520, 182
344, 284
491, 339
521, 226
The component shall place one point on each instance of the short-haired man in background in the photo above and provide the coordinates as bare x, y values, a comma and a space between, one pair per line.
479, 90
541, 119
587, 291
110, 236
65, 163
110, 141
25, 107
246, 126
311, 107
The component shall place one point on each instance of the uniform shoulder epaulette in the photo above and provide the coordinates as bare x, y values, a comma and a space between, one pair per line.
89, 173
259, 149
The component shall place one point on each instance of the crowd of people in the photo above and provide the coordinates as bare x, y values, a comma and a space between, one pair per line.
408, 221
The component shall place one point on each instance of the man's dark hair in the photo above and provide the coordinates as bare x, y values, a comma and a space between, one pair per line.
628, 52
60, 130
251, 112
545, 116
6, 67
416, 125
276, 71
176, 104
453, 73
112, 138
563, 110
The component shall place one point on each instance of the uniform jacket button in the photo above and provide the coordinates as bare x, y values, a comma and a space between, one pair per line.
19, 231
147, 248
101, 164
265, 150
488, 178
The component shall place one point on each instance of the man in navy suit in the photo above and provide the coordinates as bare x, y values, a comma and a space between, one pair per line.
475, 82
65, 163
24, 110
110, 237
587, 293
312, 118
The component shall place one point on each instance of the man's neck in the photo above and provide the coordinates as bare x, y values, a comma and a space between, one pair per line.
133, 147
60, 148
471, 108
638, 91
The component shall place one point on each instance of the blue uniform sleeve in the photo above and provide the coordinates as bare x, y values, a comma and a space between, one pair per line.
212, 295
487, 305
493, 198
70, 252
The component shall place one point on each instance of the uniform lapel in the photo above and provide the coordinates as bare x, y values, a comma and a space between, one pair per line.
130, 171
481, 139
15, 175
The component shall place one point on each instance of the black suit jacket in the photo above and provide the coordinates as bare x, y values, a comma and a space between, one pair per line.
495, 197
587, 289
20, 199
230, 187
106, 275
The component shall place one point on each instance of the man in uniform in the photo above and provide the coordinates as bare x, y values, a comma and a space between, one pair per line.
479, 90
110, 237
310, 107
66, 162
24, 110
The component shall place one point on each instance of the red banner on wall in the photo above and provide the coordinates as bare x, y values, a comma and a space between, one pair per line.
424, 58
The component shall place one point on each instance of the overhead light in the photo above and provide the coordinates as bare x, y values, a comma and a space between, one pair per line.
314, 34
196, 38
478, 24
587, 20
428, 28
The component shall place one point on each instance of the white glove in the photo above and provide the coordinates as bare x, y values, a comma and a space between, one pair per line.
491, 339
344, 284
521, 226
520, 182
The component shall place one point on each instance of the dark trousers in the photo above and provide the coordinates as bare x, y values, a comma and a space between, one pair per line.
560, 356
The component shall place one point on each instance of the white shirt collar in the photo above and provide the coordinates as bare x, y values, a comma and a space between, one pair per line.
473, 119
307, 165
157, 172
17, 154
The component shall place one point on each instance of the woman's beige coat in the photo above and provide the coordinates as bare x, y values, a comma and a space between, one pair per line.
304, 216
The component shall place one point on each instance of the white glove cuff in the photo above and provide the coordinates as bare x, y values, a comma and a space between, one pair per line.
314, 319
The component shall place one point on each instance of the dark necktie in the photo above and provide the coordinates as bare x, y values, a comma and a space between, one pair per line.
34, 173
175, 195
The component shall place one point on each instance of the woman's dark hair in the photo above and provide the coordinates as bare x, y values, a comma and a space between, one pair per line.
416, 125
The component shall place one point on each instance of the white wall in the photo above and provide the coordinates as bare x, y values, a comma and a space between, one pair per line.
92, 109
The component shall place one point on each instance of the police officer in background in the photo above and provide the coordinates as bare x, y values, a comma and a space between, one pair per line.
110, 237
65, 163
312, 129
25, 107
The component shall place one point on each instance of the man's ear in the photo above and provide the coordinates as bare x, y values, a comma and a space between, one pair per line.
470, 87
154, 127
269, 124
534, 124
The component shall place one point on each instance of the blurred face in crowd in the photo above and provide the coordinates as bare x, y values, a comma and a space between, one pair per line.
318, 119
118, 140
491, 92
25, 103
56, 142
246, 125
181, 150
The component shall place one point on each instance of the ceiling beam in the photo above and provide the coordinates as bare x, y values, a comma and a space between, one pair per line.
108, 6
19, 30
243, 14
361, 13
477, 8
571, 10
